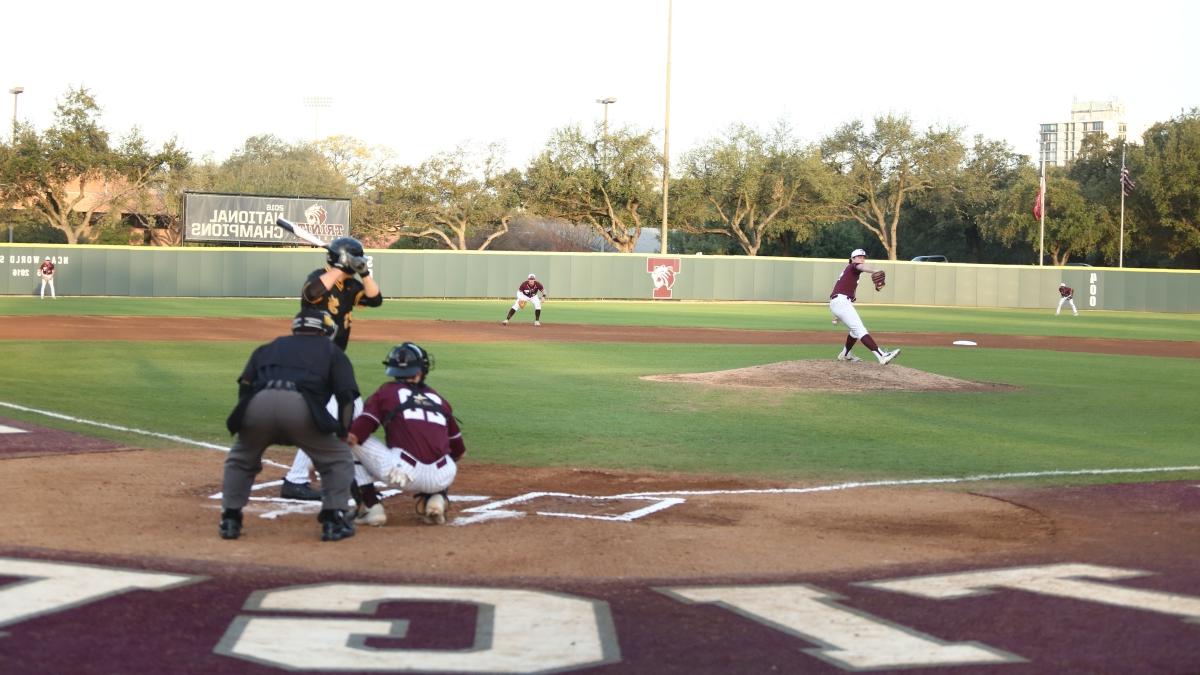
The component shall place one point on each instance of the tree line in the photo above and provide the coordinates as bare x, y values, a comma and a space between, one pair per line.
883, 184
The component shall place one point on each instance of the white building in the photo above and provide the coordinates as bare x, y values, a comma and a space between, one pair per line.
1061, 140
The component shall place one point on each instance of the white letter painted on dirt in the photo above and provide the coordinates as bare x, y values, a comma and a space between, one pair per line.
517, 631
1064, 581
851, 639
53, 587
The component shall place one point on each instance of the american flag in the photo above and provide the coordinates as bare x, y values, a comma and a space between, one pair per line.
1127, 183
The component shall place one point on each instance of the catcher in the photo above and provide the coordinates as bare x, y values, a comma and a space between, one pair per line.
424, 443
841, 303
529, 291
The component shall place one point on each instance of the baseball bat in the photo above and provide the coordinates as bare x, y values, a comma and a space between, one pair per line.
300, 232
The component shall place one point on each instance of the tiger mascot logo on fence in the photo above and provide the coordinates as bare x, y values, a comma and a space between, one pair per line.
662, 272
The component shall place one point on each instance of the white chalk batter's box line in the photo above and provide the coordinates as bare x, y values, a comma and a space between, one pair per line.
664, 499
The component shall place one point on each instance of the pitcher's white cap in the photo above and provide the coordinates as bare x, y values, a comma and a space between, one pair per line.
858, 252
532, 276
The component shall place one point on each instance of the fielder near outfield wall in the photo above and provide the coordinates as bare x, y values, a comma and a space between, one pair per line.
270, 272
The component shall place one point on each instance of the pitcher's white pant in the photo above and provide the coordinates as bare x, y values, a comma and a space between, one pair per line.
379, 459
1060, 304
536, 300
301, 465
50, 281
844, 310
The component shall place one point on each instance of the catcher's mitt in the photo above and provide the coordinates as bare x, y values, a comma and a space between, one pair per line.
879, 279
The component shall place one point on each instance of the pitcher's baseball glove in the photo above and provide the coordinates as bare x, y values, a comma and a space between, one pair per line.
879, 279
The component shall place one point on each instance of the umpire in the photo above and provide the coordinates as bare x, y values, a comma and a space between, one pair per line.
282, 394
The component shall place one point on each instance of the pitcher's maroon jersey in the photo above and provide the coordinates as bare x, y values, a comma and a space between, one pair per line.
847, 282
1066, 291
422, 425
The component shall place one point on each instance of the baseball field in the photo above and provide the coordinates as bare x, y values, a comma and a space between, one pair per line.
649, 487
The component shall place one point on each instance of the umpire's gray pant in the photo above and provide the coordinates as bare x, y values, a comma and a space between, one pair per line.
277, 416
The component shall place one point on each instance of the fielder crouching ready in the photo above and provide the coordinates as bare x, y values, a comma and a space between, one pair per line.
424, 442
281, 400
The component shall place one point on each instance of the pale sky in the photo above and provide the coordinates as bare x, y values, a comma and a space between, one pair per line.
423, 77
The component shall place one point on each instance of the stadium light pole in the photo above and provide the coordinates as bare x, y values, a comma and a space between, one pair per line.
15, 91
604, 102
666, 174
316, 103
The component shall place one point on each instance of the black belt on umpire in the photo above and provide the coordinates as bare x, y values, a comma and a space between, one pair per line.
412, 461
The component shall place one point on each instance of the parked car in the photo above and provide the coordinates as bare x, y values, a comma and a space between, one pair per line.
930, 258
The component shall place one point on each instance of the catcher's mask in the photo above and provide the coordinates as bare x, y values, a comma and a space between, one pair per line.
313, 321
351, 245
407, 360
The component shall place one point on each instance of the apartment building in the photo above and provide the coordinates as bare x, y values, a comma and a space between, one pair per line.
1061, 140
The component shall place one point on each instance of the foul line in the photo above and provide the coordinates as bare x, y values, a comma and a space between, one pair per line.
117, 427
910, 481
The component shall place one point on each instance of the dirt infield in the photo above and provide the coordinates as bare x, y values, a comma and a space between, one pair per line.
669, 568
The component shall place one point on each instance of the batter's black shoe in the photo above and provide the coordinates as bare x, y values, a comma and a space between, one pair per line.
231, 523
334, 525
303, 491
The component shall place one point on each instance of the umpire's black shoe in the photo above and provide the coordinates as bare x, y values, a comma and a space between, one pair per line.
231, 523
303, 491
334, 525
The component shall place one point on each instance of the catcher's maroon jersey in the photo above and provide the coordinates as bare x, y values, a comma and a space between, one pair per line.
847, 282
422, 425
1066, 291
530, 288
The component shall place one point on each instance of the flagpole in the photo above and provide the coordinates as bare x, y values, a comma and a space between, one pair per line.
1121, 187
1042, 210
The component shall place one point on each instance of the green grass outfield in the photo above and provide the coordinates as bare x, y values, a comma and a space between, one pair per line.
582, 405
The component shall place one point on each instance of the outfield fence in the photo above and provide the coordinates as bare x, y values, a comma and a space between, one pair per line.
263, 272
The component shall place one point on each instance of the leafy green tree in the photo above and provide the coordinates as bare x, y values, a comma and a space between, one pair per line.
359, 164
875, 172
1167, 197
1073, 226
608, 182
266, 165
947, 221
749, 186
50, 173
451, 199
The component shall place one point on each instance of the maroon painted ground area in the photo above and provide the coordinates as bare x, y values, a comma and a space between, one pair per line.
152, 512
36, 440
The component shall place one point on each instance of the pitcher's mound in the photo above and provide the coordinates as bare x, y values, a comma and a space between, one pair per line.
831, 375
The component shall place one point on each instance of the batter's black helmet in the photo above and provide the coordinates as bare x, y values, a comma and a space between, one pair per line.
313, 320
408, 359
350, 245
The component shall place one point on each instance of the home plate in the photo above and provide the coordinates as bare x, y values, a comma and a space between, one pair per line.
965, 343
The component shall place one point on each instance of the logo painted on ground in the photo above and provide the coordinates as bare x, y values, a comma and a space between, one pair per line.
1113, 622
22, 439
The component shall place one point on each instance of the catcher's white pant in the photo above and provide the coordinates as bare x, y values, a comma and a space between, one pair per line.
1066, 300
844, 310
521, 297
379, 460
301, 465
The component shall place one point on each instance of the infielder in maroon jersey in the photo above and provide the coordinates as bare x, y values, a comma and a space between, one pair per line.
841, 303
530, 290
335, 290
424, 443
1068, 296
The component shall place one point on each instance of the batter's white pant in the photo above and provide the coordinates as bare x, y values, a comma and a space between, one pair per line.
48, 280
301, 465
536, 300
1067, 300
379, 460
844, 310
